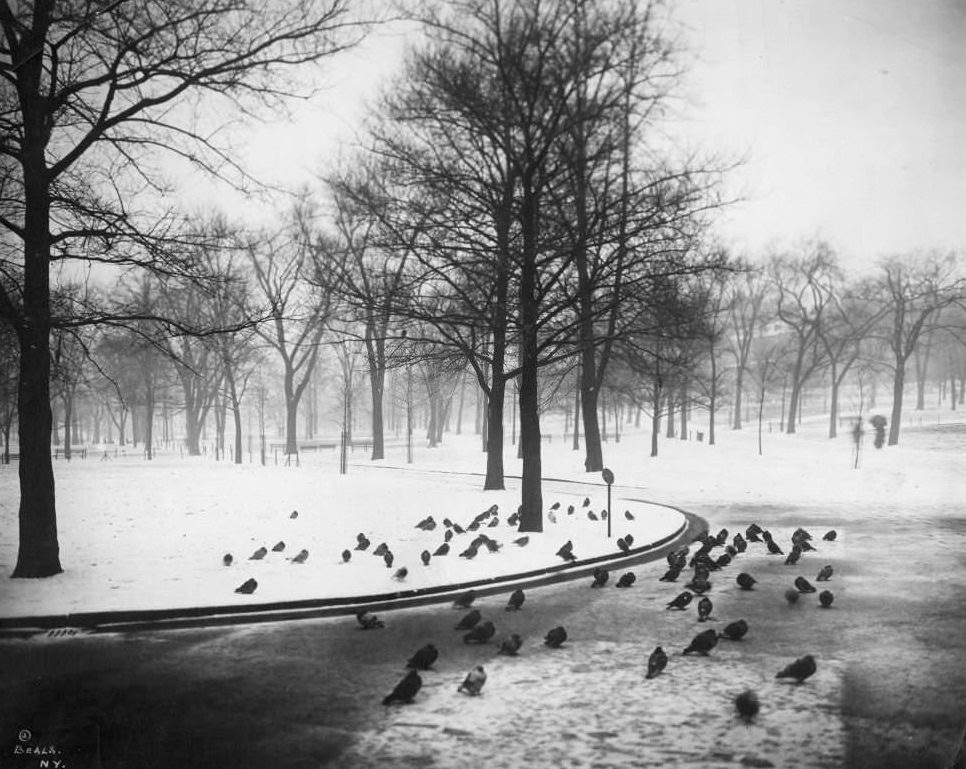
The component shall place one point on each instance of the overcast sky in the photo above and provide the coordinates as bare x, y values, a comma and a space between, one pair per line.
851, 114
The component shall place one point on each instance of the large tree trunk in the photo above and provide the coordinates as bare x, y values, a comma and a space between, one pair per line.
656, 418
236, 412
794, 397
68, 423
291, 414
494, 433
739, 384
377, 379
898, 385
593, 451
531, 517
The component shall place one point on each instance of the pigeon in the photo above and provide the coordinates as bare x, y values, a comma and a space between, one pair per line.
465, 601
346, 556
671, 575
513, 519
824, 574
381, 549
702, 643
448, 535
681, 601
773, 547
723, 560
739, 542
473, 683
699, 585
469, 620
791, 596
627, 579
247, 587
424, 557
800, 535
555, 506
622, 545
704, 608
570, 510
302, 557
752, 536
603, 514
722, 536
458, 529
568, 556
747, 706
278, 547
258, 554
493, 522
515, 601
629, 539
442, 549
825, 598
830, 536
227, 559
656, 662
793, 556
470, 553
480, 634
388, 558
294, 514
629, 516
521, 541
424, 658
746, 581
586, 501
510, 646
363, 543
555, 637
492, 545
401, 574
803, 585
405, 690
600, 577
368, 621
566, 547
734, 631
592, 516
474, 526
800, 669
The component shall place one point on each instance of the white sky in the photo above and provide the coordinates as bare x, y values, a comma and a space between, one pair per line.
850, 114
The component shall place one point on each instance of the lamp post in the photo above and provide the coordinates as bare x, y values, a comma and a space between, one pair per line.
608, 477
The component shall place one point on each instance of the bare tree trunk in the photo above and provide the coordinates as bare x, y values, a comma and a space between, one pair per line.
898, 385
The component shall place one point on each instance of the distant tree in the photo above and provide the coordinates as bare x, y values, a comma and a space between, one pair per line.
747, 307
93, 93
915, 290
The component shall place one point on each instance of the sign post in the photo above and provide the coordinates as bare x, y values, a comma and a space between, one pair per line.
608, 476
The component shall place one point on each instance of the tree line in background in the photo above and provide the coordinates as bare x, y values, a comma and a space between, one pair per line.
518, 221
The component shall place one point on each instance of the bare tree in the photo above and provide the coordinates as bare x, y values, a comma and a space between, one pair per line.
746, 309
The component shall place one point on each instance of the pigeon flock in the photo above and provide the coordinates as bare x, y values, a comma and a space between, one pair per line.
696, 566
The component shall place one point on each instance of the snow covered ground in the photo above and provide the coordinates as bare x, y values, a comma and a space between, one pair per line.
143, 535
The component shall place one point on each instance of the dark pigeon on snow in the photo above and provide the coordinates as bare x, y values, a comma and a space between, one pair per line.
302, 557
346, 556
258, 554
803, 585
622, 545
465, 600
425, 557
746, 581
591, 515
363, 543
247, 587
388, 558
702, 643
442, 549
405, 690
471, 619
747, 706
381, 549
401, 574
480, 634
424, 658
510, 646
278, 547
473, 683
294, 514
555, 637
800, 669
516, 600
704, 608
671, 575
824, 574
773, 547
793, 555
626, 579
600, 577
681, 601
830, 536
735, 631
227, 559
586, 501
521, 541
825, 598
656, 662
628, 515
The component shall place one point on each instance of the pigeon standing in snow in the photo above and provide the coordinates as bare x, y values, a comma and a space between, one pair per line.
671, 575
227, 559
746, 581
747, 706
381, 549
424, 557
405, 690
346, 556
803, 585
773, 547
294, 514
825, 598
368, 621
516, 600
824, 574
388, 557
247, 587
302, 557
424, 658
656, 662
278, 547
401, 574
258, 554
555, 506
628, 515
592, 516
465, 601
626, 579
510, 646
681, 601
442, 550
800, 669
735, 631
791, 595
480, 634
362, 543
702, 643
521, 541
600, 577
473, 683
555, 637
469, 620
704, 608
830, 536
586, 501
622, 545
793, 555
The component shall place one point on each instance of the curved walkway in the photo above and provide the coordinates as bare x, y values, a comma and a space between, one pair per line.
210, 616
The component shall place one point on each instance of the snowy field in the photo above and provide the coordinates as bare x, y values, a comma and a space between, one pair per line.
152, 535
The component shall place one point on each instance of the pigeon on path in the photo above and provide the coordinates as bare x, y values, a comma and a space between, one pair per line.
747, 706
824, 574
803, 585
681, 601
600, 577
704, 608
473, 683
466, 600
442, 549
480, 634
735, 631
278, 547
800, 669
555, 637
510, 646
626, 580
469, 620
656, 662
227, 559
258, 554
830, 536
247, 587
746, 581
368, 621
424, 658
405, 690
302, 557
516, 600
702, 643
825, 598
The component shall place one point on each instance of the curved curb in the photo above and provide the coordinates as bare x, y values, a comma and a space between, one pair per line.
219, 616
